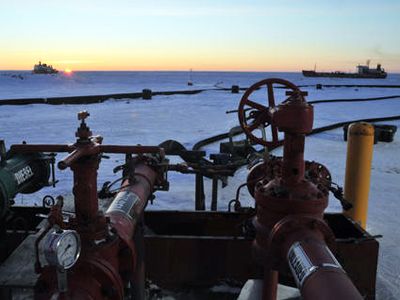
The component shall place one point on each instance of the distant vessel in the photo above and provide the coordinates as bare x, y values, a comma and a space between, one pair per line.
190, 81
362, 72
44, 69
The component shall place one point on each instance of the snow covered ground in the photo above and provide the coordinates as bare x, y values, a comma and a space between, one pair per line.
189, 118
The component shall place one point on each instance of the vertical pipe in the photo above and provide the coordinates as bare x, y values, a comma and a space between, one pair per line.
293, 158
270, 287
360, 144
200, 197
126, 215
139, 275
85, 190
214, 198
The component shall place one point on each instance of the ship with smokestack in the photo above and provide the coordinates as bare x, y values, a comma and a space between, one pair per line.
363, 71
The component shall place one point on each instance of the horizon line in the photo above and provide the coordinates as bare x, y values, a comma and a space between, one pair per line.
181, 70
139, 70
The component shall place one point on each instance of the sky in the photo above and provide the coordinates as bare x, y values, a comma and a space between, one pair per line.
219, 35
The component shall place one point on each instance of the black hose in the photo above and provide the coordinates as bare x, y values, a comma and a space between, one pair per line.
211, 140
340, 124
92, 99
354, 99
386, 86
222, 136
334, 100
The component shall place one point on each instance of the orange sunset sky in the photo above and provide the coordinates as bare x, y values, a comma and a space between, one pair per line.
207, 35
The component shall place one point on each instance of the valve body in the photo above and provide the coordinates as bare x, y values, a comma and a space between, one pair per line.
290, 199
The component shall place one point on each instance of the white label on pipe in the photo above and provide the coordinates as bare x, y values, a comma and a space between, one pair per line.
123, 203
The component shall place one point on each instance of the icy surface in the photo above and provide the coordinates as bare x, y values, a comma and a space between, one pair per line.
94, 83
189, 118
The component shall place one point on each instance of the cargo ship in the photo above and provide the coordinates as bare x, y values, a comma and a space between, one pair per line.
363, 71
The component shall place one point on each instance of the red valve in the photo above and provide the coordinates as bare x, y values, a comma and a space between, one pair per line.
290, 230
109, 259
260, 114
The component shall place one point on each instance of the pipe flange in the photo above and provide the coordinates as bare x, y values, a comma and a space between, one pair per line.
287, 231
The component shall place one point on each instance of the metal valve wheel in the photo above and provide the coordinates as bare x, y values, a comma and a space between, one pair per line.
258, 113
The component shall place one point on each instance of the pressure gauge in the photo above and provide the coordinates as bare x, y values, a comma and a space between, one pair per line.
62, 248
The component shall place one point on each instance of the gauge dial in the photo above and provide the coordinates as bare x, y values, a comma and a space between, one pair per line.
62, 248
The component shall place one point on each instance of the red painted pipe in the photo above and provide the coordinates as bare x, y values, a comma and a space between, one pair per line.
126, 213
111, 253
317, 273
103, 271
128, 206
289, 220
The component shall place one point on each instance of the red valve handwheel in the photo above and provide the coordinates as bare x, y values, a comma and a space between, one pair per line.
259, 112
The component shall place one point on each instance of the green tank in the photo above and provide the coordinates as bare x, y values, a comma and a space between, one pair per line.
21, 173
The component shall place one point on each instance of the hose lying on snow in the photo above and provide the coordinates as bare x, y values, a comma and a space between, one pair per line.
222, 136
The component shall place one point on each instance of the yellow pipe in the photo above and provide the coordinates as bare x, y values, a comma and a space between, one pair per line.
360, 143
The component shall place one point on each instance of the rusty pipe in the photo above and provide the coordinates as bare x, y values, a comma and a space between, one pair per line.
32, 148
79, 152
293, 159
131, 201
94, 148
126, 213
127, 208
131, 149
70, 159
85, 192
270, 287
317, 273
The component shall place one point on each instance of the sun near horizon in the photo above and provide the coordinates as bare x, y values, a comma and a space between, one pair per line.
261, 36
